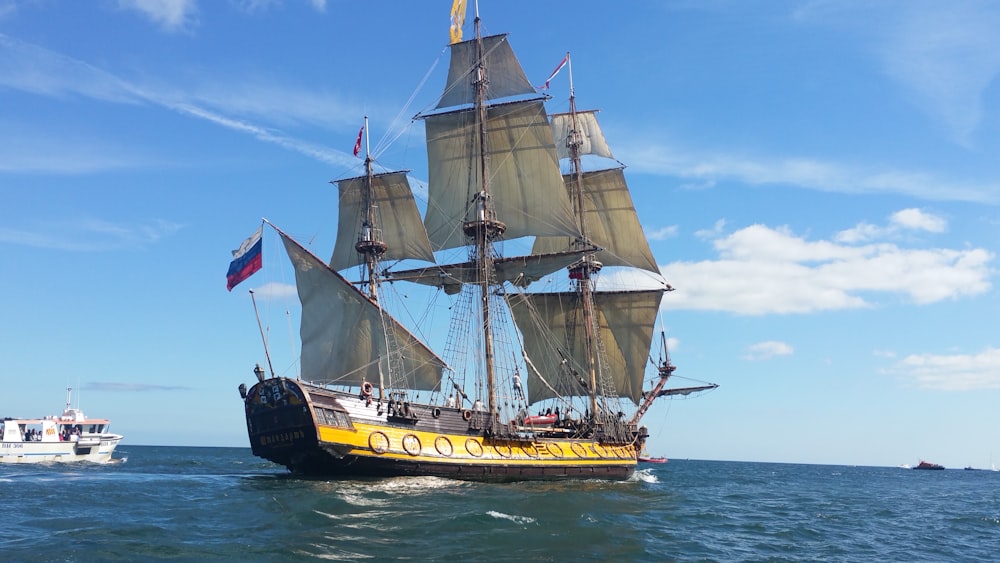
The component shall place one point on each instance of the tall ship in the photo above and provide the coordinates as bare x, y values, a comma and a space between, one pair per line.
528, 383
68, 437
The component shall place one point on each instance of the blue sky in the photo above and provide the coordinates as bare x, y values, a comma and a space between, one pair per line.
819, 181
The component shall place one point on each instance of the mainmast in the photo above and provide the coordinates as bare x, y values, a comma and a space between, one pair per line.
483, 227
582, 271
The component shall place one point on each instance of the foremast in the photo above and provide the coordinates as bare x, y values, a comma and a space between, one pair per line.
348, 338
370, 245
371, 248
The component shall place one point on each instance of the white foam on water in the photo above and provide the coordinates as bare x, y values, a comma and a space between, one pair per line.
645, 475
511, 517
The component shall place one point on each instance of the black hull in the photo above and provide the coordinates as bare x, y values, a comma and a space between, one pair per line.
315, 462
309, 431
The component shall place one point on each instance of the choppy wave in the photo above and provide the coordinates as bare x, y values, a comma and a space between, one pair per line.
511, 517
222, 503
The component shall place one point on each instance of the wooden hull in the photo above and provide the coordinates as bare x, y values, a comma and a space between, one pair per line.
317, 431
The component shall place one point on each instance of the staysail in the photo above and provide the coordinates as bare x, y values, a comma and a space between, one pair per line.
344, 333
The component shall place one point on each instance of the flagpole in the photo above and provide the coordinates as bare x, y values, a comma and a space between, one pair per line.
368, 141
569, 63
267, 353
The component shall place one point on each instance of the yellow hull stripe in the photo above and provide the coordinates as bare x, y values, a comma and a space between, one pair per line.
404, 444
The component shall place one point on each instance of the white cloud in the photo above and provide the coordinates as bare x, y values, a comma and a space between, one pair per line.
919, 220
906, 220
959, 372
767, 350
717, 229
763, 270
276, 291
171, 15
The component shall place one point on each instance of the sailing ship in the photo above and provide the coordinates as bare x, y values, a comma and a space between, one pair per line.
530, 384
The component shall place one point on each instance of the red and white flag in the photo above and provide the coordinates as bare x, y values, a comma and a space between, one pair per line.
357, 144
562, 63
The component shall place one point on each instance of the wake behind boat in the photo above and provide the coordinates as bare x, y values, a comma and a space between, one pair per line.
529, 385
66, 438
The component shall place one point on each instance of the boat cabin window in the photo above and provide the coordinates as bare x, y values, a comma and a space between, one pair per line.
331, 417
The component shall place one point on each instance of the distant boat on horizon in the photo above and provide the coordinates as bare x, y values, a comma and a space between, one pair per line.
928, 465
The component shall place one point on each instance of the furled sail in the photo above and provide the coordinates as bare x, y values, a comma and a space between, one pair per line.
685, 390
506, 77
343, 334
519, 270
524, 173
625, 324
612, 223
589, 134
398, 218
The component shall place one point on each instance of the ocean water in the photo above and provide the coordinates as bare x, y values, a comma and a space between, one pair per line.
199, 504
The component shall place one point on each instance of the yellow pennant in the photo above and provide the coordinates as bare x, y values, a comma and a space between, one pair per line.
457, 20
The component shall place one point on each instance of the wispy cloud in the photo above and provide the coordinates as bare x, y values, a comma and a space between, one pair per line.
36, 70
662, 233
958, 372
259, 6
767, 350
131, 387
171, 15
945, 55
764, 270
90, 235
7, 7
655, 157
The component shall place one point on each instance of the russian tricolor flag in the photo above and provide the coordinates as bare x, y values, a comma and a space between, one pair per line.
246, 260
